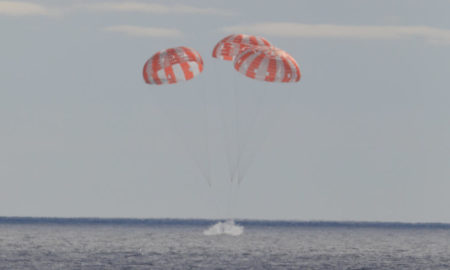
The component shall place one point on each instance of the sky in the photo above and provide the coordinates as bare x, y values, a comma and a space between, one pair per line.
364, 136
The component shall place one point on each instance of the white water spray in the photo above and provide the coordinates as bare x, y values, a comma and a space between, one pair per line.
226, 227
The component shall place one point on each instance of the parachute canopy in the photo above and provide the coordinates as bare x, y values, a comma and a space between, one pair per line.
267, 64
173, 65
232, 45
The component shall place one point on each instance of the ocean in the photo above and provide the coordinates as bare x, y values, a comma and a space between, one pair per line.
89, 243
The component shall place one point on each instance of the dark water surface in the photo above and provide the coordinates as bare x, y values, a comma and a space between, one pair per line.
47, 243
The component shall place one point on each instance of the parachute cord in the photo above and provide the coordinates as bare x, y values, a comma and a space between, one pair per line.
176, 130
252, 126
206, 132
272, 123
254, 123
236, 122
234, 198
225, 130
229, 199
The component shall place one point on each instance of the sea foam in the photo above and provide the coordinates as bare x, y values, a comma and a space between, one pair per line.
226, 227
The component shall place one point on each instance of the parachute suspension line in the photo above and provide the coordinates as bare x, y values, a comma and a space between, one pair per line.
277, 113
229, 201
204, 97
225, 128
236, 129
232, 199
263, 93
236, 193
178, 133
260, 96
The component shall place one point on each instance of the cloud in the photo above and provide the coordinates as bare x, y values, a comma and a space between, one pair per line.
153, 8
14, 8
430, 34
139, 31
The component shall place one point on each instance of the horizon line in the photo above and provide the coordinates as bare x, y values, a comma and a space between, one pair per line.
207, 221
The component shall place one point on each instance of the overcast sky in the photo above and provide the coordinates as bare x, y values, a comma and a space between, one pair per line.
365, 134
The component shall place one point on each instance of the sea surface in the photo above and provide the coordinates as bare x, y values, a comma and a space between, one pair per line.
74, 243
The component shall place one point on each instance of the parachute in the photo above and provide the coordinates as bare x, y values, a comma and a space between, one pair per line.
268, 64
167, 68
232, 45
248, 108
173, 65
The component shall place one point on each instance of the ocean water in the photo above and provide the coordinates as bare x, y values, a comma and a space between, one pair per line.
48, 243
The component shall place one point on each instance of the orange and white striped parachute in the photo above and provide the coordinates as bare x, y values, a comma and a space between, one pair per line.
267, 64
232, 45
173, 65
